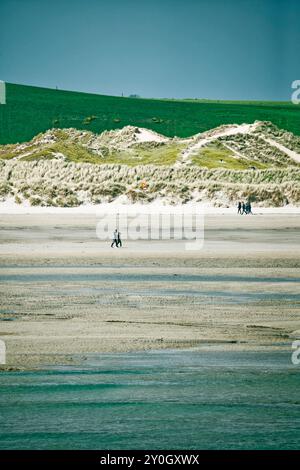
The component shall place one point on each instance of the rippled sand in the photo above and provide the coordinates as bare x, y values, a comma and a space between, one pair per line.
65, 294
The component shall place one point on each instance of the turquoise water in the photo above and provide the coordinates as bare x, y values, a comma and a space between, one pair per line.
134, 277
159, 400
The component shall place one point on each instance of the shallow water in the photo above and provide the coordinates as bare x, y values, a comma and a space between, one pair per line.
207, 296
126, 283
140, 277
159, 399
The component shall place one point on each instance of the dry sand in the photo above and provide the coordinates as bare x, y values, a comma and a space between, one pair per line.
65, 294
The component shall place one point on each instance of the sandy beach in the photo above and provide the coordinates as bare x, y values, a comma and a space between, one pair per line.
66, 294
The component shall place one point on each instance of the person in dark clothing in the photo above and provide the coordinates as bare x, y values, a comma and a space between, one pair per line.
244, 210
115, 239
119, 241
239, 207
249, 208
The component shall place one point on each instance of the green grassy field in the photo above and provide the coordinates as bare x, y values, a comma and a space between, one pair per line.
31, 110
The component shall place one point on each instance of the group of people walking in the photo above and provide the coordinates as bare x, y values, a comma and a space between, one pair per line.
244, 207
116, 239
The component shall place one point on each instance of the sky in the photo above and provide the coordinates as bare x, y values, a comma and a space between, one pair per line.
214, 49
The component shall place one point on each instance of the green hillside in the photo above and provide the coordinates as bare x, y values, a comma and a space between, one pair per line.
31, 110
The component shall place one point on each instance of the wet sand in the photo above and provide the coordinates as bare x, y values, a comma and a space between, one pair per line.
65, 294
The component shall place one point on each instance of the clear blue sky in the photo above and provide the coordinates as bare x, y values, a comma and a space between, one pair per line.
230, 49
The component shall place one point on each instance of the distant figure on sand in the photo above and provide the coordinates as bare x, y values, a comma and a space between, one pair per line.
115, 239
244, 208
248, 208
119, 241
239, 207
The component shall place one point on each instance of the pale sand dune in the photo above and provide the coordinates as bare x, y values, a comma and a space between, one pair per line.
65, 294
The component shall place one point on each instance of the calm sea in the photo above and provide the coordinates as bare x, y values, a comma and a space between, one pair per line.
160, 400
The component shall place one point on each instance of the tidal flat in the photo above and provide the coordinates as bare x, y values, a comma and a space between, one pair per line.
65, 294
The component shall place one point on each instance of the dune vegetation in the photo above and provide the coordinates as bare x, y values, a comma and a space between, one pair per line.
70, 167
67, 184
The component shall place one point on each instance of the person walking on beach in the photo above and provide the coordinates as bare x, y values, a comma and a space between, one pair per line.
115, 239
239, 207
244, 210
249, 209
119, 241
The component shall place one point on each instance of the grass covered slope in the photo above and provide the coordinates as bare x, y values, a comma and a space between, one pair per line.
31, 110
69, 167
257, 146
